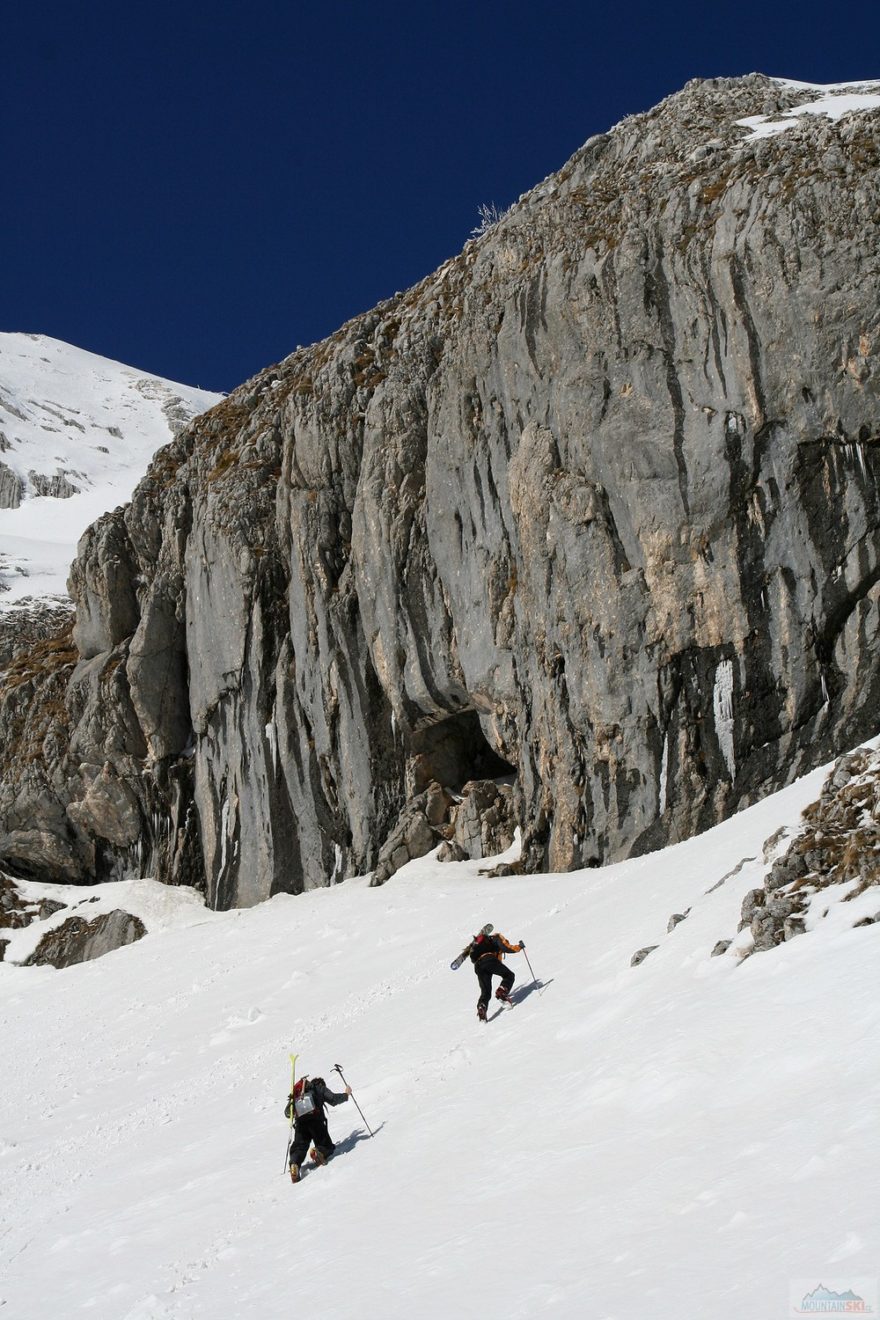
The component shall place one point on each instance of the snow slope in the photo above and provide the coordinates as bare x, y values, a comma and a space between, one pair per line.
679, 1139
66, 411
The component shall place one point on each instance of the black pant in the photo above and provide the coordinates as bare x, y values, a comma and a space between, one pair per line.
486, 968
311, 1130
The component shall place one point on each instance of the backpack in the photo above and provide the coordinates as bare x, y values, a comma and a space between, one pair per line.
484, 943
303, 1100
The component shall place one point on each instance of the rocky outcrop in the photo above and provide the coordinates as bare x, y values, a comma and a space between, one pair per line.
595, 505
839, 845
413, 836
478, 822
29, 624
483, 823
58, 485
35, 767
11, 487
16, 911
78, 940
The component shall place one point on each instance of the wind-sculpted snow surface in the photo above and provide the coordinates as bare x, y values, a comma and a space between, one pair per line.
599, 498
677, 1140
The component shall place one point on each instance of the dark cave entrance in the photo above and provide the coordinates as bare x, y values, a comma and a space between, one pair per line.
454, 750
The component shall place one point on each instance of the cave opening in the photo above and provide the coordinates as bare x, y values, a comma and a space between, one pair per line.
453, 751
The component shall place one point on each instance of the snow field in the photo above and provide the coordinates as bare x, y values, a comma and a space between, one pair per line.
673, 1140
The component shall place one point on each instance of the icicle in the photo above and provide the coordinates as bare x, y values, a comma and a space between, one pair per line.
224, 826
272, 739
722, 703
860, 450
664, 770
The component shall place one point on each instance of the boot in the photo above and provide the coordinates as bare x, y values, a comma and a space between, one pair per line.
481, 1012
317, 1156
502, 994
295, 1174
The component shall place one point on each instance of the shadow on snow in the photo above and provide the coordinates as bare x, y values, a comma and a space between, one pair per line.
522, 992
354, 1139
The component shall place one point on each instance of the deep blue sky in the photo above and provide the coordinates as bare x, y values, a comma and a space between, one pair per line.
197, 188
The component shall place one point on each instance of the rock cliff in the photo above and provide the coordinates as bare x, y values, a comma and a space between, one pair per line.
595, 505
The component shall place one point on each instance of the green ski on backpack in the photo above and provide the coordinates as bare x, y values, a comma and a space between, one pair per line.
456, 963
293, 1059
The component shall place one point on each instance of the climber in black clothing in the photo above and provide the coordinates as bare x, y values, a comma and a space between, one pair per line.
307, 1101
485, 952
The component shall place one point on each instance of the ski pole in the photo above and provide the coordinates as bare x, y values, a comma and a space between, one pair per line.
531, 968
356, 1105
293, 1059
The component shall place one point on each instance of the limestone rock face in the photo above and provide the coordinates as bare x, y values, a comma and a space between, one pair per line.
483, 823
595, 505
413, 836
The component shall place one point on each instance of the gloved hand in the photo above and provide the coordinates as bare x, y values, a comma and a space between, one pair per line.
522, 944
348, 1090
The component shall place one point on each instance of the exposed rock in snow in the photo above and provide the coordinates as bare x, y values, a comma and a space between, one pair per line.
11, 488
59, 925
57, 487
17, 912
837, 100
77, 940
832, 866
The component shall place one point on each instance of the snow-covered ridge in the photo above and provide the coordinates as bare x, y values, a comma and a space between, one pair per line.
835, 101
77, 432
797, 86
